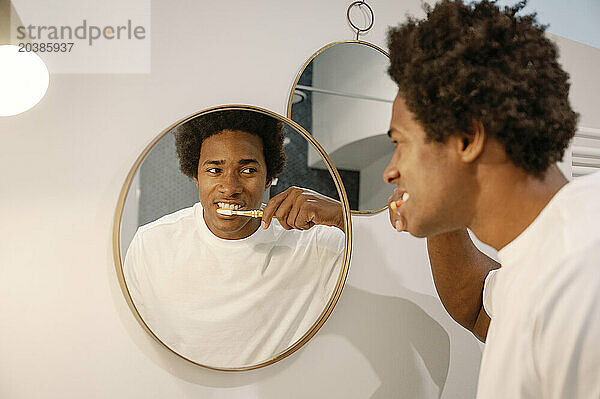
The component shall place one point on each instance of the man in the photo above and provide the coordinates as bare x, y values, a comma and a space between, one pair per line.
217, 289
481, 118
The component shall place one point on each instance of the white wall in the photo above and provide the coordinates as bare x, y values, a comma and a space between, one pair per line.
66, 329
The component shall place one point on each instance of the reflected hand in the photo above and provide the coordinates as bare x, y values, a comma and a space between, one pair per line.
301, 208
394, 203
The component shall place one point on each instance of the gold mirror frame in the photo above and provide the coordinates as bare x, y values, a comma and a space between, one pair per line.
347, 226
312, 57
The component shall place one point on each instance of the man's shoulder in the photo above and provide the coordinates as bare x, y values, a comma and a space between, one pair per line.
567, 314
572, 278
162, 236
584, 189
580, 209
178, 221
585, 261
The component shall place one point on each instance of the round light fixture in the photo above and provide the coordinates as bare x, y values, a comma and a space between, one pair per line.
24, 80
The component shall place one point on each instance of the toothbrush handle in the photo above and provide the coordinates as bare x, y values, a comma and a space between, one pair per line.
254, 213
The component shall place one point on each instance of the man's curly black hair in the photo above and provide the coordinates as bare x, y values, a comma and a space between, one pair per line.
190, 136
474, 62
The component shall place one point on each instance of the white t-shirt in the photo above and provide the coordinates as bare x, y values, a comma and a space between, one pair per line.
230, 303
544, 337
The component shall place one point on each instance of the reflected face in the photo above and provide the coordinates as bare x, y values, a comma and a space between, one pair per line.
430, 172
232, 171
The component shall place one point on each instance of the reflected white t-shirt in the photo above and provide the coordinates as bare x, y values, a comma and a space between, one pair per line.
230, 303
544, 337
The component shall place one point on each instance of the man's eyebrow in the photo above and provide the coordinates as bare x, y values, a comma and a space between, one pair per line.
214, 162
247, 161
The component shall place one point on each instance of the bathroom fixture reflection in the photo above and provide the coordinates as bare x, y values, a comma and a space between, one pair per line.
347, 108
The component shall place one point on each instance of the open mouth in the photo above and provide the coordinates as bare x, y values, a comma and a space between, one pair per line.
228, 205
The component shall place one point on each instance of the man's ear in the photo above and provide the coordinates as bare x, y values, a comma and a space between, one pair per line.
195, 181
268, 184
471, 144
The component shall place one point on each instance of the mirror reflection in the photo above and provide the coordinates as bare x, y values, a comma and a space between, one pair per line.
233, 247
344, 97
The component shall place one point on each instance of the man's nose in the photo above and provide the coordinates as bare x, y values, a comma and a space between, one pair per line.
391, 173
230, 184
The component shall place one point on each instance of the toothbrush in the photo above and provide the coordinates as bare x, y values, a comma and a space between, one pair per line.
254, 213
394, 205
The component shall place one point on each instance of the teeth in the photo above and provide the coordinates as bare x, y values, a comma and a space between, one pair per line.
226, 205
405, 197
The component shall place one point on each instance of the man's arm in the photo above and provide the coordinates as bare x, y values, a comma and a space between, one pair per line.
459, 270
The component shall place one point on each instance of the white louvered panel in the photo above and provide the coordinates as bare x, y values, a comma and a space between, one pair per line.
583, 170
589, 162
588, 132
586, 151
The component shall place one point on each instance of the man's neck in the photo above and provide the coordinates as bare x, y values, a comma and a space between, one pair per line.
509, 202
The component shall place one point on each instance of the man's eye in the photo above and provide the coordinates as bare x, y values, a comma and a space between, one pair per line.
213, 170
249, 171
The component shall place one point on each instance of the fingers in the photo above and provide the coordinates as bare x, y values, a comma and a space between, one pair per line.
293, 213
272, 207
282, 208
283, 211
305, 219
400, 225
298, 208
396, 218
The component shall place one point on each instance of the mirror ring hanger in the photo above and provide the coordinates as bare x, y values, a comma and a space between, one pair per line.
359, 4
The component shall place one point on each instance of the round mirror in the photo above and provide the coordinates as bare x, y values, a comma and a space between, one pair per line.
231, 251
343, 97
